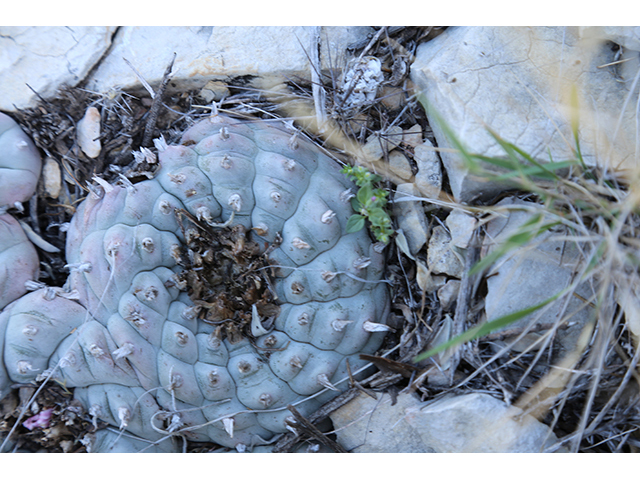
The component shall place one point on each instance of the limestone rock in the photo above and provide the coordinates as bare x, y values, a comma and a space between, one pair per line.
399, 165
461, 225
360, 82
473, 423
517, 81
379, 144
429, 176
531, 274
412, 137
45, 58
216, 53
88, 133
214, 90
51, 178
428, 282
440, 256
411, 218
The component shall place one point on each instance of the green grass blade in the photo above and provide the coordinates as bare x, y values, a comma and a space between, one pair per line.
486, 328
525, 234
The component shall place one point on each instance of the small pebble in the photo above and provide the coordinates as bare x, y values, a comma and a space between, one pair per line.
381, 143
214, 90
429, 176
448, 293
461, 225
51, 177
440, 257
412, 137
411, 218
399, 164
88, 132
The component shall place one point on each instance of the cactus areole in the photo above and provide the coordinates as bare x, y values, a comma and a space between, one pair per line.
208, 298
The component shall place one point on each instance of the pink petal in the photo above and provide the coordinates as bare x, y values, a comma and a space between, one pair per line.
40, 420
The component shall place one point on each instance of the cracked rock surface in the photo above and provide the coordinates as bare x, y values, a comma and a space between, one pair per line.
44, 58
518, 81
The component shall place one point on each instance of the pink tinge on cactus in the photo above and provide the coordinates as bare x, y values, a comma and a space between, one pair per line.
39, 420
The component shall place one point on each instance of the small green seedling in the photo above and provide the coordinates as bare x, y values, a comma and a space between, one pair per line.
369, 202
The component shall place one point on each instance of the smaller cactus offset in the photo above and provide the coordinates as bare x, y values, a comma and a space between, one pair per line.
369, 203
20, 165
18, 260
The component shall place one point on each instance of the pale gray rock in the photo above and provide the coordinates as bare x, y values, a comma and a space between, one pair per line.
88, 133
448, 293
51, 178
412, 137
440, 257
530, 275
217, 53
429, 176
45, 58
628, 37
518, 82
399, 165
473, 423
461, 226
214, 90
427, 282
360, 82
379, 144
411, 218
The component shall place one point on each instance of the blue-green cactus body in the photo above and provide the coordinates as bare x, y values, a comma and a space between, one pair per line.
133, 346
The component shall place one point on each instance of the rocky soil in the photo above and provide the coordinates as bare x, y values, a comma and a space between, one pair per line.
403, 102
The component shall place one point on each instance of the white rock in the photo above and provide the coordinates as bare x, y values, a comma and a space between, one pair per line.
381, 143
429, 176
628, 37
51, 177
214, 90
360, 81
210, 53
531, 274
461, 226
427, 282
88, 132
413, 136
45, 58
473, 423
440, 257
399, 165
517, 81
411, 218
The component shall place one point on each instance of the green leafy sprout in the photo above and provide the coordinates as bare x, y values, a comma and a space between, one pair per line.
369, 203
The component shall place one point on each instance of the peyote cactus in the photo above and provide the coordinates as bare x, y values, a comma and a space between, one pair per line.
177, 329
20, 164
18, 260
